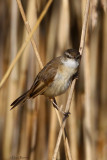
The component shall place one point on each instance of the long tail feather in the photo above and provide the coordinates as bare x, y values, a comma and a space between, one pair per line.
20, 100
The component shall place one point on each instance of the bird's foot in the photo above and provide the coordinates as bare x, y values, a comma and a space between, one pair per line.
66, 115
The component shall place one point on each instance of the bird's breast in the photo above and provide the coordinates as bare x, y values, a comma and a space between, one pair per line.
61, 81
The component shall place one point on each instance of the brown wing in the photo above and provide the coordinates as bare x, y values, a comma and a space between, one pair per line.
44, 78
39, 89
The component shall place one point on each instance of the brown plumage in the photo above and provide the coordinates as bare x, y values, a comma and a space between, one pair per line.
41, 82
54, 78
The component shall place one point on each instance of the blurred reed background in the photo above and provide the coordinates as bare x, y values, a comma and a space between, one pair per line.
31, 131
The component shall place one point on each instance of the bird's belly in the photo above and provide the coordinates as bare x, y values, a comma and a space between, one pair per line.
61, 81
56, 89
58, 86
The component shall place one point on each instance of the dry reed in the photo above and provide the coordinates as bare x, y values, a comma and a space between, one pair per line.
31, 131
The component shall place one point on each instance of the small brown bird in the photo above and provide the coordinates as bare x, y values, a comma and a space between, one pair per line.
54, 79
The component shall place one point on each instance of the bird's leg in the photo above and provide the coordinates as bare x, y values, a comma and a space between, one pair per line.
66, 114
56, 106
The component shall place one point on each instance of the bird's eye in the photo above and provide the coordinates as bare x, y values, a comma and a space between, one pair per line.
68, 55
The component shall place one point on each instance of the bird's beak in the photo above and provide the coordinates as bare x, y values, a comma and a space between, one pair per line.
78, 56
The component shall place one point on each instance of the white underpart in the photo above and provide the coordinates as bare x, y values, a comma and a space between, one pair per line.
72, 63
62, 79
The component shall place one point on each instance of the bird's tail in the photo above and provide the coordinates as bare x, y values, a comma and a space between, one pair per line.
20, 100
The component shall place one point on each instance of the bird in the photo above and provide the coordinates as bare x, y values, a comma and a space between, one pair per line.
54, 79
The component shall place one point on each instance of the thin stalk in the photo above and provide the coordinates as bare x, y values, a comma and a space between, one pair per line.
81, 48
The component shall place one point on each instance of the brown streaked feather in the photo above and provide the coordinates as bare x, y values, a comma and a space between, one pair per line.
39, 89
20, 100
45, 77
48, 72
42, 81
